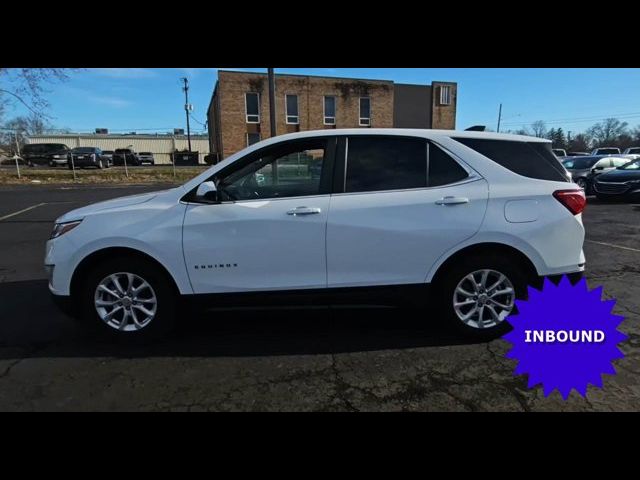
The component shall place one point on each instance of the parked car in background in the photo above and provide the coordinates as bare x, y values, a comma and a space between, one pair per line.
52, 154
604, 165
559, 152
120, 154
606, 151
82, 157
108, 154
584, 169
622, 183
471, 217
146, 158
632, 150
578, 154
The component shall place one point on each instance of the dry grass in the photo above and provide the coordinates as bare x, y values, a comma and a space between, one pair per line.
113, 175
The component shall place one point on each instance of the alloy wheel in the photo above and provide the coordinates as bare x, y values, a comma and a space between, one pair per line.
125, 301
484, 299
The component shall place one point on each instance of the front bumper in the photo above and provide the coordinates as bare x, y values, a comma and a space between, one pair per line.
65, 305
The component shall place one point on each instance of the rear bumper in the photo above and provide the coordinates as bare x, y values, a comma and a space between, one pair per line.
573, 277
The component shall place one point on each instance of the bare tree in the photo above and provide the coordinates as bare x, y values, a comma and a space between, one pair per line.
27, 86
607, 131
23, 127
539, 129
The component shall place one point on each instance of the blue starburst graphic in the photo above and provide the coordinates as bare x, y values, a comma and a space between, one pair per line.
565, 337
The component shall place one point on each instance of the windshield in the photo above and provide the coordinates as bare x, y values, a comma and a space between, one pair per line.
635, 165
579, 163
83, 150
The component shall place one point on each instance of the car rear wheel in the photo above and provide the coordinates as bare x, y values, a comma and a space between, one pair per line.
478, 294
128, 298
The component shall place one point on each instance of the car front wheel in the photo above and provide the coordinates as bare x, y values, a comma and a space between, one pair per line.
478, 295
128, 298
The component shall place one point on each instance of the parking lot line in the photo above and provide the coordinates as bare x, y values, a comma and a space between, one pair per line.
21, 211
610, 245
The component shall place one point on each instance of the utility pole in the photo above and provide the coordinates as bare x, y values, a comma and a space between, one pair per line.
17, 155
272, 101
569, 139
187, 108
499, 117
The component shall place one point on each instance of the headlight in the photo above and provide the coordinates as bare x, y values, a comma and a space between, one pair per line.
62, 228
58, 156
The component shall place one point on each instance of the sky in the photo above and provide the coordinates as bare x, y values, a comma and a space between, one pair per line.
151, 99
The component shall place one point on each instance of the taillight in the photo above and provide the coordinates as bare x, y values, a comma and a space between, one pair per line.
574, 200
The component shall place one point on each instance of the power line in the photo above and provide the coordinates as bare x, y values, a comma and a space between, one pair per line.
622, 116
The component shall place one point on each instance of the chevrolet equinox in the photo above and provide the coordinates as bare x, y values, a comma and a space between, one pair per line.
377, 215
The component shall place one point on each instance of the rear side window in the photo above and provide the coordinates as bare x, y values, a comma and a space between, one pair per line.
443, 170
529, 159
385, 163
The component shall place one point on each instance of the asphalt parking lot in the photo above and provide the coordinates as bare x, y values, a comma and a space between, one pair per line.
315, 359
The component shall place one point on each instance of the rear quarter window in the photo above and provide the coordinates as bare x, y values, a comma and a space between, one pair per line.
529, 159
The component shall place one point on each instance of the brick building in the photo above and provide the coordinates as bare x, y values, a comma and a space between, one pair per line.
238, 114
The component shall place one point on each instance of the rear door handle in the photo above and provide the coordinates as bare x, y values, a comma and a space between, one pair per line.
304, 211
452, 201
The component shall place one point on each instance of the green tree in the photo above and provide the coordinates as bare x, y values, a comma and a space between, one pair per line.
580, 143
559, 139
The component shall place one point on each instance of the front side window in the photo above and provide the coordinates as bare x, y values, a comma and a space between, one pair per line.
292, 170
365, 112
292, 109
329, 110
385, 163
635, 165
618, 162
252, 106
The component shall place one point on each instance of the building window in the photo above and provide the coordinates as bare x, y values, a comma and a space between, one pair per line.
329, 110
252, 107
252, 138
291, 111
445, 95
365, 112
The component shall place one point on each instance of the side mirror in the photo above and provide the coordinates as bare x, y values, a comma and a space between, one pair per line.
207, 191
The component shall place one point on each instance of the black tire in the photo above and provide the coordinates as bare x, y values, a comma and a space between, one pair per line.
449, 281
602, 198
164, 319
100, 166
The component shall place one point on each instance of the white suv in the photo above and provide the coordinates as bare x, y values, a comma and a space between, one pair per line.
316, 215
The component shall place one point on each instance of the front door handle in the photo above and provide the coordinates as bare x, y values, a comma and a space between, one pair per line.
452, 201
304, 211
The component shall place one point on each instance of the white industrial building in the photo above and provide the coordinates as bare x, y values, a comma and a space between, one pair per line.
161, 145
